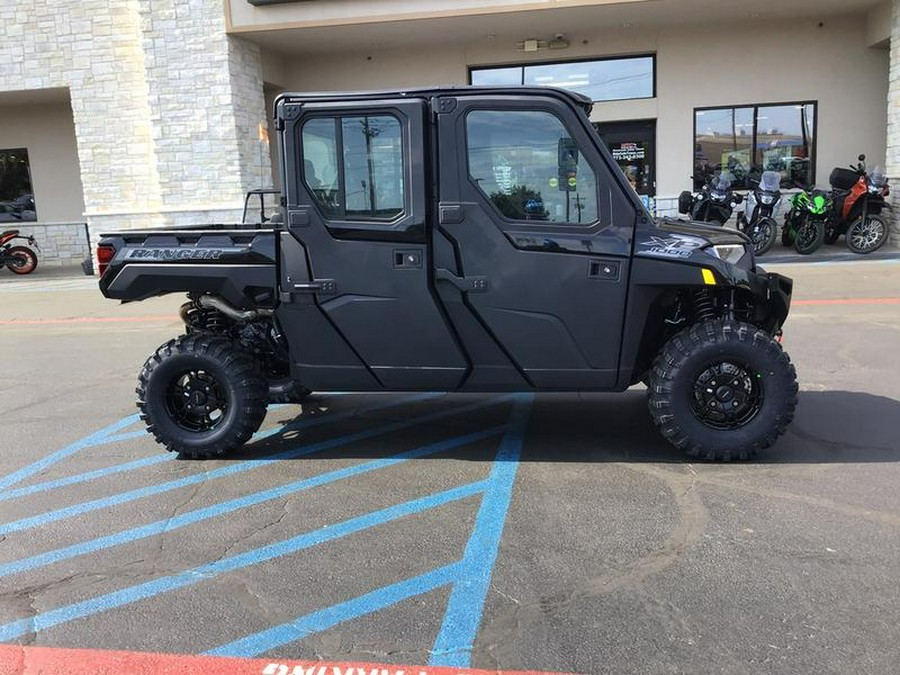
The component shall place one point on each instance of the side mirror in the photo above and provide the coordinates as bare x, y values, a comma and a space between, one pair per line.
862, 158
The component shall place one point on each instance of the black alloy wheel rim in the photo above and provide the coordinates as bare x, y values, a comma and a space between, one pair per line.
196, 401
726, 395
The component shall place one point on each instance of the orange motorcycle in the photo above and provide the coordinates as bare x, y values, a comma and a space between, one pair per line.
858, 203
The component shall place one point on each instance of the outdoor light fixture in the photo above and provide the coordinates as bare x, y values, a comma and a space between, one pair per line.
559, 41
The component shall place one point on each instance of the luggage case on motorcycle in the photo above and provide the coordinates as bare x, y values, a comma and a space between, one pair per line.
843, 179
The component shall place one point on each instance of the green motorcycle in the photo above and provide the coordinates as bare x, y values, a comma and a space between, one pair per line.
804, 224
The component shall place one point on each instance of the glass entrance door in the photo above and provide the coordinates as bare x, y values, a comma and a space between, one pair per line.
633, 146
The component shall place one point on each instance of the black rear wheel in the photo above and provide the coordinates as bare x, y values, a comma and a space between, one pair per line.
722, 390
22, 260
200, 397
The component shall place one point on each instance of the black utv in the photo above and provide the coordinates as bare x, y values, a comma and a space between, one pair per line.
457, 239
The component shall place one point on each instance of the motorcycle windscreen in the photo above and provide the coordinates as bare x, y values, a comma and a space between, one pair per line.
770, 181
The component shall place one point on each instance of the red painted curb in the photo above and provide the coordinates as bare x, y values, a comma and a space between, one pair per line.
847, 301
19, 660
89, 319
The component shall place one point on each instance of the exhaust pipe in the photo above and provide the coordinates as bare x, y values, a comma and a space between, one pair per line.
239, 315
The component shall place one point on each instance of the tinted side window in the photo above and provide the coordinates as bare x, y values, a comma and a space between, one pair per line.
529, 167
354, 166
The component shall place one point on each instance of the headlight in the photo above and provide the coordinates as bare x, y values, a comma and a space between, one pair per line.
730, 253
768, 199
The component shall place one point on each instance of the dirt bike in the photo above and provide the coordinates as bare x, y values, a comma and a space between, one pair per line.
757, 220
804, 224
858, 199
19, 259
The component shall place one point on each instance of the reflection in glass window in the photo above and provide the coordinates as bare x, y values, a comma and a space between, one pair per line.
320, 164
784, 138
723, 142
498, 77
529, 166
16, 196
353, 166
373, 166
749, 140
600, 80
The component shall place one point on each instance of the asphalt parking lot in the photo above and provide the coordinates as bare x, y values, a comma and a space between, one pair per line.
550, 533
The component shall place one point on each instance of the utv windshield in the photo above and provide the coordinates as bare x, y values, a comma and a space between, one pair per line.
770, 181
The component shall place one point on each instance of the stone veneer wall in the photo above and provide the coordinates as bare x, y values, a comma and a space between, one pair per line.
166, 105
61, 244
893, 124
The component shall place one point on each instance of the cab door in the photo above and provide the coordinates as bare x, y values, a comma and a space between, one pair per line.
357, 305
540, 229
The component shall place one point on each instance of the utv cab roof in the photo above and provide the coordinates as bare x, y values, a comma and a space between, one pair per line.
579, 100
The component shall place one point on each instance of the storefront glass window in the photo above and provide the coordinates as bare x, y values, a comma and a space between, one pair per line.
745, 141
16, 195
600, 80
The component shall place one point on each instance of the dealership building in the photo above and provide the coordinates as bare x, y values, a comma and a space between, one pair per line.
141, 113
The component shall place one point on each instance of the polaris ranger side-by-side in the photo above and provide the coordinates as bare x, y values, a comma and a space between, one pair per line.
457, 239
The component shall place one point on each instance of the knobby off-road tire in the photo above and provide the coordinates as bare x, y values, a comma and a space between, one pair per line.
722, 362
200, 397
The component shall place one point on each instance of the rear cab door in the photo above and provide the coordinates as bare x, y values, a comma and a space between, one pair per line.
357, 305
535, 229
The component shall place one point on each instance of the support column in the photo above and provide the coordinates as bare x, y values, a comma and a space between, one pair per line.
893, 122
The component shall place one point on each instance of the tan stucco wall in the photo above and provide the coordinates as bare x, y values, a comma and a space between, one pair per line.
755, 62
47, 131
878, 24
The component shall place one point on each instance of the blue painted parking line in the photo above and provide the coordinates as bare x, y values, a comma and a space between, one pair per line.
71, 449
470, 576
330, 617
453, 646
300, 451
81, 477
192, 517
296, 425
55, 617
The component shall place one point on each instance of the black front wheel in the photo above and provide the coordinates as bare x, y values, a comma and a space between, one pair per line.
200, 397
722, 390
763, 234
809, 237
867, 235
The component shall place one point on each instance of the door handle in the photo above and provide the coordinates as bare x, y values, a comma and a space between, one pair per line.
317, 286
465, 284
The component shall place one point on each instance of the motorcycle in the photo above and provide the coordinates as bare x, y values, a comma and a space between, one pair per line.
19, 259
713, 203
858, 200
804, 224
757, 220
